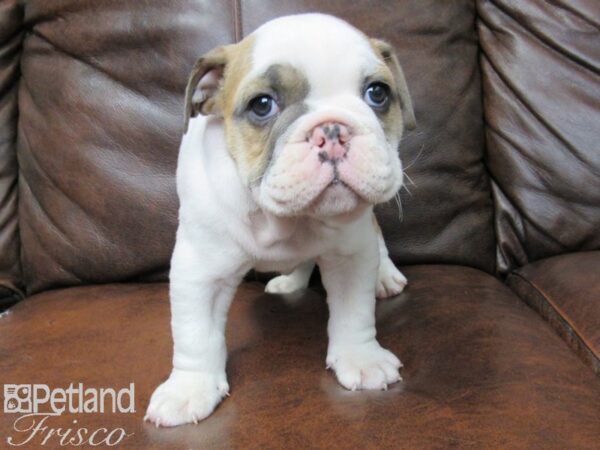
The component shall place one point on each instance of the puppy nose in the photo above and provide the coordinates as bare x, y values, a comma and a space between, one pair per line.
330, 140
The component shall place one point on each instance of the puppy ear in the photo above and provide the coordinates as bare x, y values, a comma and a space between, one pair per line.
203, 85
387, 53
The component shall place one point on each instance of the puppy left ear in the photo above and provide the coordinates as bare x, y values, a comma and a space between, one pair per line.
203, 85
386, 52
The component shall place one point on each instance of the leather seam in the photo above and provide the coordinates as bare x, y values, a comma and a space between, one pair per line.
564, 317
16, 292
18, 287
237, 20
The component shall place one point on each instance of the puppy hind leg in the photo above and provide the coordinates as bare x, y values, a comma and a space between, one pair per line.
390, 281
295, 281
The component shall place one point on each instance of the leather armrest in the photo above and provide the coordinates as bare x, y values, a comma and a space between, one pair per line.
566, 291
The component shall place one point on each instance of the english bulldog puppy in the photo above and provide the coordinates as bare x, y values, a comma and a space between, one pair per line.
291, 137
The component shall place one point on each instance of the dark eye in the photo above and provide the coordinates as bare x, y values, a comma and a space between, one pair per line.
377, 95
263, 106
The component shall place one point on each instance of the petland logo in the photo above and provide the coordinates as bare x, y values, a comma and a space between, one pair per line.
38, 403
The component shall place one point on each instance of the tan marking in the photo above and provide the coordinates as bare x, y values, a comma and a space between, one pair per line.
391, 120
249, 144
239, 58
234, 63
385, 52
246, 144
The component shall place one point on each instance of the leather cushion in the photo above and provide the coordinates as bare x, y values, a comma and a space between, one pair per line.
566, 291
482, 370
11, 35
541, 82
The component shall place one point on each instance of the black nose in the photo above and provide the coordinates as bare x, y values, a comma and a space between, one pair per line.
331, 131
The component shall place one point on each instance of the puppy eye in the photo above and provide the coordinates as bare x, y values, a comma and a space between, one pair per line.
377, 95
263, 107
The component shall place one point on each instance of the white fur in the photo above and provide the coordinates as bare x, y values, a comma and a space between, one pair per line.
224, 230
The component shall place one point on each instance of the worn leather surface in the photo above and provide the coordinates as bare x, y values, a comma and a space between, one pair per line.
541, 82
566, 291
100, 125
447, 209
11, 18
99, 128
482, 370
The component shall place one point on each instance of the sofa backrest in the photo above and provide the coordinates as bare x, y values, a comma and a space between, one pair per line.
100, 119
541, 79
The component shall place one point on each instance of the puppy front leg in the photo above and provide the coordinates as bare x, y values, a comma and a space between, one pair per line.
199, 303
354, 354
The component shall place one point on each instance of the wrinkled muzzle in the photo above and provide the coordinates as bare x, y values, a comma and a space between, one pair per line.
329, 163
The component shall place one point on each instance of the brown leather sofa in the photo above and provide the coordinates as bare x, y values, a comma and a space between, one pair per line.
499, 235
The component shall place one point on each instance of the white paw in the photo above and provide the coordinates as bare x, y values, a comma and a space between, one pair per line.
390, 281
284, 284
368, 366
186, 397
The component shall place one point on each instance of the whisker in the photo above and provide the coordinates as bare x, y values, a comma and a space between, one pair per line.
416, 159
257, 179
399, 203
410, 179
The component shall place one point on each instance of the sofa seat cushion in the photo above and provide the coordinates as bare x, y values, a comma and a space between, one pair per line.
481, 368
566, 291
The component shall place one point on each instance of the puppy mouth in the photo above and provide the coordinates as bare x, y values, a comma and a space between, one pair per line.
337, 191
336, 198
335, 162
336, 173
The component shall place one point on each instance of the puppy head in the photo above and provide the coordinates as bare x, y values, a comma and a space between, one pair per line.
313, 113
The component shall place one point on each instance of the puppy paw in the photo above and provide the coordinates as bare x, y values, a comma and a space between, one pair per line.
368, 366
186, 397
390, 281
285, 284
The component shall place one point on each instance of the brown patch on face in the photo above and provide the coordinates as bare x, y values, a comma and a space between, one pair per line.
386, 53
239, 65
213, 89
251, 142
247, 145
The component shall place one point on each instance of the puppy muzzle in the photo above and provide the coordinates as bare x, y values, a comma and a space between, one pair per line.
327, 151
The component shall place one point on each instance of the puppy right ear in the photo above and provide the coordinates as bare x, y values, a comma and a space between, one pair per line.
204, 84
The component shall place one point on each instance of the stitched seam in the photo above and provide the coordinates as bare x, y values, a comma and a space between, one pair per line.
237, 20
16, 292
561, 315
21, 288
